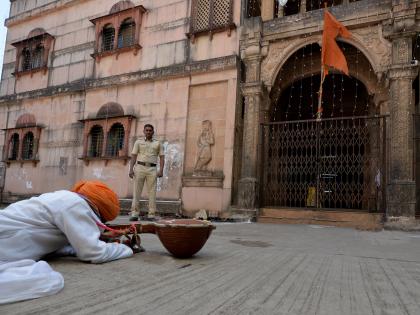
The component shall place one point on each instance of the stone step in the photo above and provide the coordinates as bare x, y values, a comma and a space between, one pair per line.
164, 207
353, 219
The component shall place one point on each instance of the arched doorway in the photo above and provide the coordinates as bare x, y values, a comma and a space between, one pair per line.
333, 163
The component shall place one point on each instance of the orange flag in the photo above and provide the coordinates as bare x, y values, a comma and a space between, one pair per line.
331, 55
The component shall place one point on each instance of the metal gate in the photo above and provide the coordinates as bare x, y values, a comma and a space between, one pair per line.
333, 163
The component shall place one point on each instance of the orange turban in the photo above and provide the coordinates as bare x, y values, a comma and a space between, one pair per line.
101, 196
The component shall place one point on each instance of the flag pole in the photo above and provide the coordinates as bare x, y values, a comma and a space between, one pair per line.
320, 109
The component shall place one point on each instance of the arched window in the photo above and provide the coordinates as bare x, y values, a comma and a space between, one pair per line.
36, 58
95, 141
126, 33
33, 51
13, 147
28, 146
115, 140
108, 35
25, 60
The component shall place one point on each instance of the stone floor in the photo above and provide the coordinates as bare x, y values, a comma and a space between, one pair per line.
249, 269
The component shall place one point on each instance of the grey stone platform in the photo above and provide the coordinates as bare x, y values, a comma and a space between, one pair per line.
249, 269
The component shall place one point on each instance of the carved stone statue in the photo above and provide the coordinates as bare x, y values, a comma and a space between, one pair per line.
204, 143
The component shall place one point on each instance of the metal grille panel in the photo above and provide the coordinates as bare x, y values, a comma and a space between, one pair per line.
26, 60
28, 146
37, 57
221, 13
126, 34
208, 15
108, 35
202, 15
14, 147
96, 138
115, 140
416, 159
334, 163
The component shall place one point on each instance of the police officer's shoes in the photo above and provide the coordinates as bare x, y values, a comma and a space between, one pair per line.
133, 218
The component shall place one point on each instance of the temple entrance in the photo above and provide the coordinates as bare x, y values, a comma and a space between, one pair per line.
335, 163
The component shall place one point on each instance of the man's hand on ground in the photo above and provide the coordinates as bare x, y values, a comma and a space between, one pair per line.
160, 174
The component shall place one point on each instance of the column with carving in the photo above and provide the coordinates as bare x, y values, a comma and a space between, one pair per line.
402, 187
254, 94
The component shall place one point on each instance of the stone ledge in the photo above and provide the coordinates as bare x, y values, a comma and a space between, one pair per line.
303, 23
164, 207
244, 214
178, 70
402, 224
358, 220
39, 10
202, 181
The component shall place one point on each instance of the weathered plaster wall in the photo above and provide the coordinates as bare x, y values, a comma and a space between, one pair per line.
154, 85
162, 37
164, 103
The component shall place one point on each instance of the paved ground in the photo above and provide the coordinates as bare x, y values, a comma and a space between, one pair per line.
250, 269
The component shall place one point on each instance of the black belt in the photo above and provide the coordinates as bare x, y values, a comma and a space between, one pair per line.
146, 164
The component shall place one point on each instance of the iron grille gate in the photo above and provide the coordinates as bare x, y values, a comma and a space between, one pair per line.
333, 163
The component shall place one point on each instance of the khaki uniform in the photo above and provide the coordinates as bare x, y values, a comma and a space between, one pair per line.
147, 152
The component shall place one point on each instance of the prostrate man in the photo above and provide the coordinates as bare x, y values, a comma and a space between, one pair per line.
33, 228
143, 168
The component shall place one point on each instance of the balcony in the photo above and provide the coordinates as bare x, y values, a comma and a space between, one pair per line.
299, 17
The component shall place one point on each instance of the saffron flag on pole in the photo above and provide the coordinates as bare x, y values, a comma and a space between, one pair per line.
331, 55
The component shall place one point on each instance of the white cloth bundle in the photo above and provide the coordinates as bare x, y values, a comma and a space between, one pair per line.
58, 223
28, 279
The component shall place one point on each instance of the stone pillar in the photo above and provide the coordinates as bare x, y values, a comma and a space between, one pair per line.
248, 184
267, 10
302, 8
280, 11
402, 186
254, 95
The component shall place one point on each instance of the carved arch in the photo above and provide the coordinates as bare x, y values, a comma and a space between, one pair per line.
290, 50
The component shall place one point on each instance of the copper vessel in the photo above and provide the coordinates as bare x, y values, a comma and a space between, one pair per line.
183, 238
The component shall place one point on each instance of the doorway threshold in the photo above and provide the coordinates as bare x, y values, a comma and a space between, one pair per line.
333, 217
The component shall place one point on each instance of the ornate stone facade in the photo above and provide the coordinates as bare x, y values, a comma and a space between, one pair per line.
383, 44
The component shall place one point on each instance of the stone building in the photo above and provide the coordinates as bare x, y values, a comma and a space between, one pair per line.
81, 78
232, 89
361, 155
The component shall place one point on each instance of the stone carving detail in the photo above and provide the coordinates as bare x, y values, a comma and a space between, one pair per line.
277, 52
204, 143
401, 164
401, 51
373, 41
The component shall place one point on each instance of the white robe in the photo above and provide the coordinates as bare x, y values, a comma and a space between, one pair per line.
32, 228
